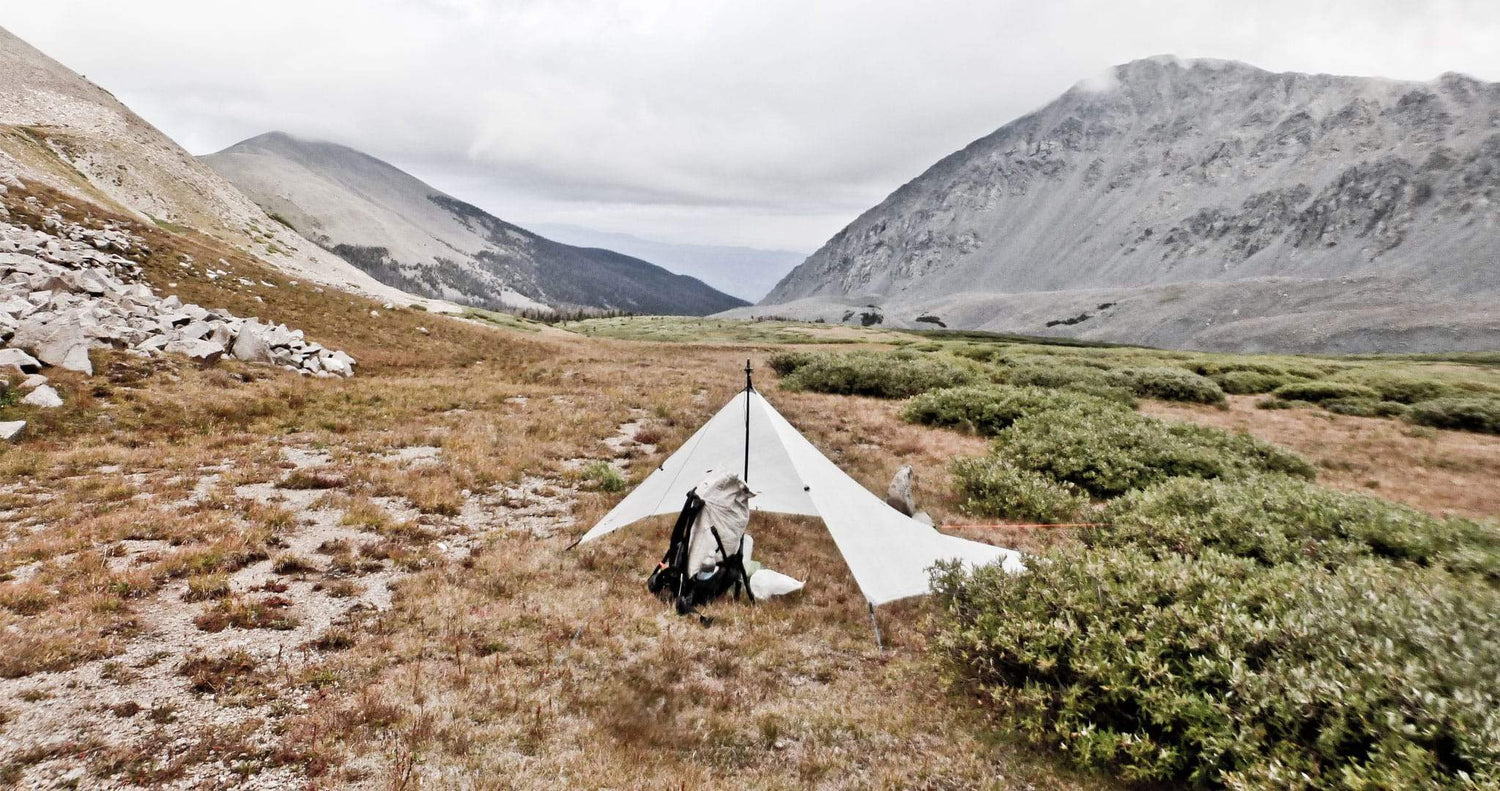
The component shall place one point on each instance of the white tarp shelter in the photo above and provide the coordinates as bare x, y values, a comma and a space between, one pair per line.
887, 551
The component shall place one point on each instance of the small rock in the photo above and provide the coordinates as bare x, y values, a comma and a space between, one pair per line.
11, 430
33, 381
898, 495
44, 397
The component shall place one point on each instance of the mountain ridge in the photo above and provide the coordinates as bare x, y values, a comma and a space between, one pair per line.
411, 235
59, 129
1171, 174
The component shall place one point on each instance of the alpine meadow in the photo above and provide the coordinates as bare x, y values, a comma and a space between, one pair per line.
1151, 440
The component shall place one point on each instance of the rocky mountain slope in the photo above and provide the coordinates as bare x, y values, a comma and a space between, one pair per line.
61, 130
412, 236
745, 272
1196, 203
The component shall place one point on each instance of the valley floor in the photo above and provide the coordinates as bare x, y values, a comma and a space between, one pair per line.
417, 619
414, 616
238, 577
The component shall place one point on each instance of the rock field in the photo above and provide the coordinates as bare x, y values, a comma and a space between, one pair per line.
69, 288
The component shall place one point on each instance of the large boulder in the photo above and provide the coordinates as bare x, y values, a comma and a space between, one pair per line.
202, 352
337, 363
21, 361
61, 343
251, 345
11, 430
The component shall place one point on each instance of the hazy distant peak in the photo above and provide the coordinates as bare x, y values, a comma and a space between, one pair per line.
408, 234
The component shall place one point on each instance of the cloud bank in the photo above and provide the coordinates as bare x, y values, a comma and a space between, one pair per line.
768, 124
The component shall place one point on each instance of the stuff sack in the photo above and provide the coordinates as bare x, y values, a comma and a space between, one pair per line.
767, 583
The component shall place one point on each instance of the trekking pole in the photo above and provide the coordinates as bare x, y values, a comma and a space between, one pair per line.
749, 388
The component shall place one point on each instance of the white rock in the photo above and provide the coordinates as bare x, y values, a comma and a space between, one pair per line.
35, 380
203, 352
195, 330
44, 397
10, 430
250, 346
898, 495
60, 343
21, 361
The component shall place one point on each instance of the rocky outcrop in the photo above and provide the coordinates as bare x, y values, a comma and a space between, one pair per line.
67, 289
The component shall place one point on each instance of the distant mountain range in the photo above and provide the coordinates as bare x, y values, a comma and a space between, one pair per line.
1205, 204
412, 236
746, 272
59, 129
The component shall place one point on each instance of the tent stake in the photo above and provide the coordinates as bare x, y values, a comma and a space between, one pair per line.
748, 387
873, 625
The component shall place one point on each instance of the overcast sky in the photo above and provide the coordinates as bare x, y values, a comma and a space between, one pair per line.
768, 123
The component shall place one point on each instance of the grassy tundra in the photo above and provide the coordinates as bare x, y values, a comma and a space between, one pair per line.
236, 575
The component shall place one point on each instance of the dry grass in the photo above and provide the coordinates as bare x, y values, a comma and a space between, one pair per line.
1442, 472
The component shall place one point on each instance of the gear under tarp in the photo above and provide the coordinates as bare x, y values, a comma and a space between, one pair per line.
888, 552
726, 512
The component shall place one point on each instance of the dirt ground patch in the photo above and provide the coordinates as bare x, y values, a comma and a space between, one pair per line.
1442, 472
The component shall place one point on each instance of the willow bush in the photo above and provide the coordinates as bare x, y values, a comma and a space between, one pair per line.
898, 374
1108, 453
989, 409
1215, 670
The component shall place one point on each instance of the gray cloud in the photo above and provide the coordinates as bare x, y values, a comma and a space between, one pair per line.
768, 123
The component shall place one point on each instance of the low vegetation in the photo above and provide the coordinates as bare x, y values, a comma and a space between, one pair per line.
990, 486
1168, 384
1276, 519
1110, 452
1462, 414
880, 374
989, 409
1248, 382
1218, 670
1315, 392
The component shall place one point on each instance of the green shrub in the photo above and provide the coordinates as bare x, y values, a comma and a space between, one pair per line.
1213, 670
1248, 382
1167, 384
784, 363
1399, 387
1323, 391
1275, 519
1040, 374
603, 476
988, 409
1109, 453
1078, 378
1464, 414
1365, 407
985, 354
1272, 402
990, 486
1281, 367
883, 375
